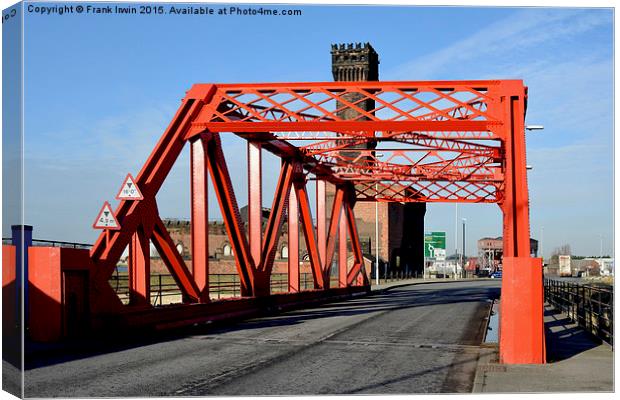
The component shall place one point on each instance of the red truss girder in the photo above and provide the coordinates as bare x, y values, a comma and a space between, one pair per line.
447, 136
449, 141
409, 105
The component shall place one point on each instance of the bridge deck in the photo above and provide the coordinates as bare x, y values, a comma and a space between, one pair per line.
412, 339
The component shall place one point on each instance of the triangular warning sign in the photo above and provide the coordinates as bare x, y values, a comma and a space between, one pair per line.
106, 218
129, 190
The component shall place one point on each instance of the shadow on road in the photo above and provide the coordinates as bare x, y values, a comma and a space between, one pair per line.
446, 388
38, 355
395, 299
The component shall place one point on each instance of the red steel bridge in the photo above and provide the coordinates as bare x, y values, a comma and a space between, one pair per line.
440, 141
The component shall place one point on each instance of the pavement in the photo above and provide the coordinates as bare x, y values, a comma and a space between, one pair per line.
403, 338
576, 363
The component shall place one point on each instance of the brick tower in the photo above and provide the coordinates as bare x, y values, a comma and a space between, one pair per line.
401, 227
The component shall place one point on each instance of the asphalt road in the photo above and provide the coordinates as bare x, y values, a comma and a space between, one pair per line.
414, 339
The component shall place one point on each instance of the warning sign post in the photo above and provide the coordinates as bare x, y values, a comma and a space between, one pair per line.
106, 218
129, 190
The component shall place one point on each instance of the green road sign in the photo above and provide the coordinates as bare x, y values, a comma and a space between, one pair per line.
434, 244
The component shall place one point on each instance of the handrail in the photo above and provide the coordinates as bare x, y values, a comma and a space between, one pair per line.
589, 306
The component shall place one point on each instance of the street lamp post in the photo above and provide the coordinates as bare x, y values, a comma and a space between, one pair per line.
456, 233
376, 235
542, 231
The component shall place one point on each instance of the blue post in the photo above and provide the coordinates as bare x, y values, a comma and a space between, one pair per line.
22, 240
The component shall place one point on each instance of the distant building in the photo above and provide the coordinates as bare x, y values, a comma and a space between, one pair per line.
491, 251
592, 267
606, 265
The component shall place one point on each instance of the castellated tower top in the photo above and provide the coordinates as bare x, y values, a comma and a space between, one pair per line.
355, 62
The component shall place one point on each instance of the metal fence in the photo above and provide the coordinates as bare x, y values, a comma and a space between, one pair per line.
590, 306
53, 243
165, 291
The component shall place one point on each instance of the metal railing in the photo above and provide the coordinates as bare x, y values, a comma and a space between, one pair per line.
397, 276
59, 243
589, 306
53, 243
165, 291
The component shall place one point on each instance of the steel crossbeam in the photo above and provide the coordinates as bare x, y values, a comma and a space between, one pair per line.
431, 141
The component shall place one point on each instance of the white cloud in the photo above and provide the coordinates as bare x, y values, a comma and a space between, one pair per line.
522, 30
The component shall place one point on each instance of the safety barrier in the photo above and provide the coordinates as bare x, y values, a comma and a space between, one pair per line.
165, 291
590, 306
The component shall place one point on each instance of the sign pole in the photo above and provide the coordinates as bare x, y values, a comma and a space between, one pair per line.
376, 238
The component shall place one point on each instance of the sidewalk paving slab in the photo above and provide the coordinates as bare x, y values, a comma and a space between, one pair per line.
576, 363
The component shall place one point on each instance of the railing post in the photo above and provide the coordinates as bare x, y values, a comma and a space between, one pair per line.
160, 292
22, 240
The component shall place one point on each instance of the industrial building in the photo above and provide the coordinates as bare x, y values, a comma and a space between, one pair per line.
490, 253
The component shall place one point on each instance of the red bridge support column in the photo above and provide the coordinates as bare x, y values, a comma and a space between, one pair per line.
255, 202
139, 269
521, 334
522, 337
293, 243
200, 218
321, 229
342, 249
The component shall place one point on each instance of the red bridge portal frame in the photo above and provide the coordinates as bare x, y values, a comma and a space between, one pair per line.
444, 141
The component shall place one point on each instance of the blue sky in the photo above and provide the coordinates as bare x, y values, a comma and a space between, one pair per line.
100, 90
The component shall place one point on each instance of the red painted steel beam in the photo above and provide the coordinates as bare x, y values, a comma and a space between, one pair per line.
332, 235
337, 126
358, 265
230, 213
255, 203
199, 217
293, 241
321, 228
479, 84
173, 260
276, 217
342, 249
384, 136
139, 270
308, 230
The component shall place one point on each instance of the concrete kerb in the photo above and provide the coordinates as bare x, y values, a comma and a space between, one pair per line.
485, 361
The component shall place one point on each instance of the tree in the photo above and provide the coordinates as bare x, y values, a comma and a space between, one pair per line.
563, 250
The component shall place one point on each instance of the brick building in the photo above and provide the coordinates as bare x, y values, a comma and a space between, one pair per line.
221, 255
491, 251
401, 226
